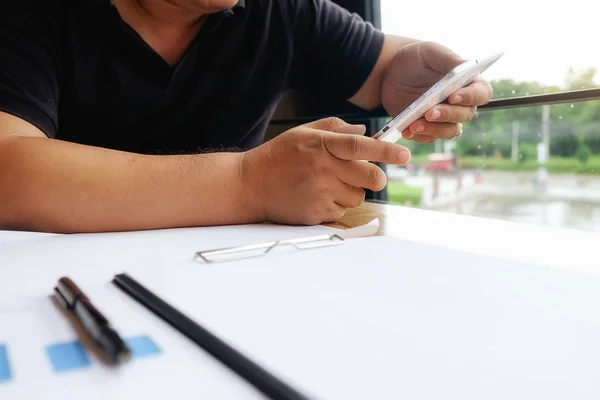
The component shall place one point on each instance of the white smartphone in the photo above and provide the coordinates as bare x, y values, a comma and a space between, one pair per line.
459, 77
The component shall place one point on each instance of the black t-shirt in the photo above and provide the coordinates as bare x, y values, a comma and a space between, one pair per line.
78, 72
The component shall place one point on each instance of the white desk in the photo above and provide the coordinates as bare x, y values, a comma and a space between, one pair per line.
12, 236
533, 244
443, 318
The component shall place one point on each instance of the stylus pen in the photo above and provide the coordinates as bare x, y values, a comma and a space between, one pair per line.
262, 380
95, 325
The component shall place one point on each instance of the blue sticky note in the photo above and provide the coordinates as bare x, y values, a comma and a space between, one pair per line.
142, 346
4, 366
67, 356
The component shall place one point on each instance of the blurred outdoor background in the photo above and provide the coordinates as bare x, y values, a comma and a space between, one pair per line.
532, 164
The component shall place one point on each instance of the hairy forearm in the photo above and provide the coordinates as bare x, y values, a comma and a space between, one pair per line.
55, 186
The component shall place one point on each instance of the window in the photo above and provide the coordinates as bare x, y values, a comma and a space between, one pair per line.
542, 40
535, 164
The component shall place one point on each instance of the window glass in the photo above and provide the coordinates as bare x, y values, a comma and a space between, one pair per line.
537, 165
501, 168
549, 47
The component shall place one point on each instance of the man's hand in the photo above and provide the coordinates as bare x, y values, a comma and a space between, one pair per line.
313, 173
414, 69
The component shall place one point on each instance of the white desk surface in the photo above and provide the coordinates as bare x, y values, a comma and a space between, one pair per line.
13, 236
31, 271
529, 243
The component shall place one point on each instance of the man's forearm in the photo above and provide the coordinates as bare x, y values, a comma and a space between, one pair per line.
55, 186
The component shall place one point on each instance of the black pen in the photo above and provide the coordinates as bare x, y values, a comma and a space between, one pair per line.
92, 321
263, 380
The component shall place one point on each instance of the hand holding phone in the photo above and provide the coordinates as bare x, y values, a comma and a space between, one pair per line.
457, 78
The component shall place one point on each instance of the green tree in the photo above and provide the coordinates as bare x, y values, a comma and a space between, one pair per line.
590, 135
583, 154
527, 151
580, 79
564, 142
570, 124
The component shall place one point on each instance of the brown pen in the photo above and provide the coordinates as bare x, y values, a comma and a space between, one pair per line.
92, 321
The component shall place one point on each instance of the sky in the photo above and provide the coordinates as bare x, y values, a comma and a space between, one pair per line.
540, 39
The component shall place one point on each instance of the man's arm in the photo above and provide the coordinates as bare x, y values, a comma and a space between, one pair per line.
55, 186
369, 95
308, 175
51, 185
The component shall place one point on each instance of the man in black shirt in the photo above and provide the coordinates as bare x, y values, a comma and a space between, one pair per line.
144, 102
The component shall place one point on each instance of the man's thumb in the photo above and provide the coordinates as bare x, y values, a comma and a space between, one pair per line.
337, 125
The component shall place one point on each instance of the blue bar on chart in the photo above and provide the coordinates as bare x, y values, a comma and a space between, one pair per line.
5, 373
142, 346
67, 356
72, 356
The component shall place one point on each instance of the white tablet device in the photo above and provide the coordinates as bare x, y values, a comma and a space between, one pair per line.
459, 77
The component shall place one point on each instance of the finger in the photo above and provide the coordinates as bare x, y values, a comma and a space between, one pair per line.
338, 125
361, 175
354, 147
333, 213
450, 113
423, 139
352, 129
477, 93
349, 196
436, 130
